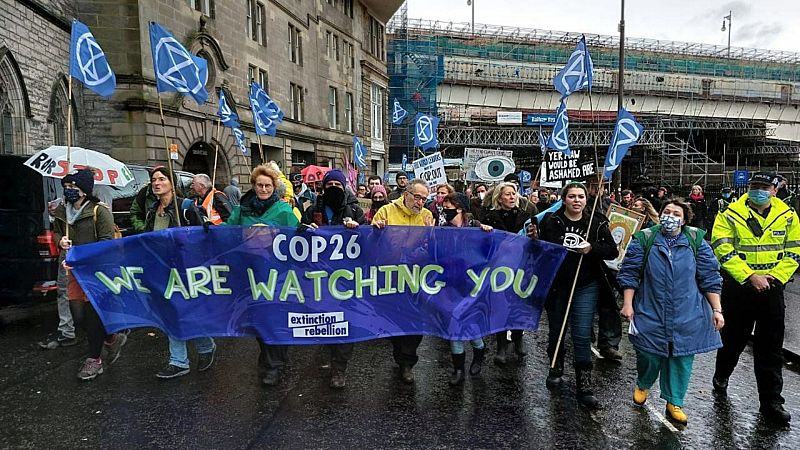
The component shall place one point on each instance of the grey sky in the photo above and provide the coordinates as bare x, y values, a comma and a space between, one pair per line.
770, 24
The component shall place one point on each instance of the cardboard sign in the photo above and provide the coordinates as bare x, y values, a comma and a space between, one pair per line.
622, 223
431, 169
365, 204
473, 155
561, 167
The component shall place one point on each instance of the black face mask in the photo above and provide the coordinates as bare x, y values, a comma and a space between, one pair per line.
379, 203
450, 214
333, 196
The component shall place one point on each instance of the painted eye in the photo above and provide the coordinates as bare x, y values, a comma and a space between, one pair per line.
494, 168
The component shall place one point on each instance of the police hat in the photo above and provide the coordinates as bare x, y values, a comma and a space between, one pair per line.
766, 178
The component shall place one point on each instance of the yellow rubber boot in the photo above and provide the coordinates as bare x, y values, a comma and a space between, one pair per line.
640, 395
676, 413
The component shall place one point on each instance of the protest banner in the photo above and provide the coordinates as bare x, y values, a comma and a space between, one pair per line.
330, 285
561, 167
473, 155
431, 169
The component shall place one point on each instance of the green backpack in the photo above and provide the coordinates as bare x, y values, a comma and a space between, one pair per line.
647, 237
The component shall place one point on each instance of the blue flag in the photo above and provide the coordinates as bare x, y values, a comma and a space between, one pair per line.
399, 114
240, 141
425, 131
87, 61
626, 133
577, 74
559, 139
177, 69
266, 113
359, 153
542, 142
227, 116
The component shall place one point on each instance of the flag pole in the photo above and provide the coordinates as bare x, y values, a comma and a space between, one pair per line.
216, 154
169, 161
260, 149
69, 137
588, 231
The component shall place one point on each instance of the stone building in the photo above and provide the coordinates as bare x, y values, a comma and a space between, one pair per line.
322, 61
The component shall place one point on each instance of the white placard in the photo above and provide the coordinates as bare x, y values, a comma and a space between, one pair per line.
431, 169
473, 155
509, 117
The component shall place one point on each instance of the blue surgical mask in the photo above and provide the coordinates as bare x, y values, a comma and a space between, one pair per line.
669, 224
759, 197
71, 195
726, 195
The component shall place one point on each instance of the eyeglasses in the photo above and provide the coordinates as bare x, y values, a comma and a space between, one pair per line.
263, 186
417, 197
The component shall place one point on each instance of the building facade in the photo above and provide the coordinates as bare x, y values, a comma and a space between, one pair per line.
322, 61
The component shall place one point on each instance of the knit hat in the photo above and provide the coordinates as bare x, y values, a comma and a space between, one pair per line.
83, 179
334, 175
400, 174
379, 188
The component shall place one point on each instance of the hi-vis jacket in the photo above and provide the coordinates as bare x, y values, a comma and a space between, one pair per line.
742, 253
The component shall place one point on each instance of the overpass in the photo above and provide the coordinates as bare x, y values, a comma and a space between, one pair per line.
706, 114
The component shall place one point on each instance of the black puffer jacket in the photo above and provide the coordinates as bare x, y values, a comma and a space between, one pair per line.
511, 220
348, 208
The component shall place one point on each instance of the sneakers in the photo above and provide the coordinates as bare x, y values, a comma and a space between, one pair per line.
407, 375
338, 379
676, 413
55, 340
640, 395
112, 350
90, 369
611, 353
775, 413
205, 360
172, 371
720, 386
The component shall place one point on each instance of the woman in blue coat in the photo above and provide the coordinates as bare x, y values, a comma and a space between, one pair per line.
673, 303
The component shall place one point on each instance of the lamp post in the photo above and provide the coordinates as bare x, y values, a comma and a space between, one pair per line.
472, 3
728, 18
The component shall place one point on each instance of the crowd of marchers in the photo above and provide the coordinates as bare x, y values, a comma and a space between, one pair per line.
698, 277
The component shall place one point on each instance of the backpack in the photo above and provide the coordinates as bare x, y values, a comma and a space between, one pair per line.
117, 231
647, 237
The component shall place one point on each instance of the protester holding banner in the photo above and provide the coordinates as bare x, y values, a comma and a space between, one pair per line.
672, 286
402, 182
643, 206
575, 228
379, 200
161, 216
455, 211
505, 214
82, 220
409, 209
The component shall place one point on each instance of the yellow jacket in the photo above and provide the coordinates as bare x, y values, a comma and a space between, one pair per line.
396, 213
741, 253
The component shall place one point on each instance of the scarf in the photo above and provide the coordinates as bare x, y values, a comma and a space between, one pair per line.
697, 197
72, 213
259, 206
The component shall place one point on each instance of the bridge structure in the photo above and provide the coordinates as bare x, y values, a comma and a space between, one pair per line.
706, 114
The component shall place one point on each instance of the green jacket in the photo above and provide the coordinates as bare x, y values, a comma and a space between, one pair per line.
143, 202
279, 214
86, 228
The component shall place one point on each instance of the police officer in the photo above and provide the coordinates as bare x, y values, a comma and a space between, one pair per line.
757, 242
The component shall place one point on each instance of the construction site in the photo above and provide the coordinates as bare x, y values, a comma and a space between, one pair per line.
707, 110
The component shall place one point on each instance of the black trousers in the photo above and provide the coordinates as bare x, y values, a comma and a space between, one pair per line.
85, 316
744, 308
609, 323
272, 357
404, 349
340, 355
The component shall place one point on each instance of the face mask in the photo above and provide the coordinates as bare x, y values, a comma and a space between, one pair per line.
670, 223
481, 195
758, 197
376, 204
333, 196
71, 195
726, 195
450, 214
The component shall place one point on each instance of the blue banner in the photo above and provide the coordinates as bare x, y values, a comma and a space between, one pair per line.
577, 73
88, 63
326, 286
626, 134
559, 138
425, 131
227, 116
540, 120
176, 69
267, 115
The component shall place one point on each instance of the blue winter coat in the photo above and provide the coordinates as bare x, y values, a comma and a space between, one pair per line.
669, 305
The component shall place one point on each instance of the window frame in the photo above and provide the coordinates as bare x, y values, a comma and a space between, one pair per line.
333, 108
348, 112
297, 101
377, 110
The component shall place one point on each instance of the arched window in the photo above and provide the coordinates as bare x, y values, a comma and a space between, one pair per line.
58, 113
212, 70
6, 123
14, 106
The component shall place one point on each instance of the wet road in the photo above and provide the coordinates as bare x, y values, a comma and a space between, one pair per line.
44, 405
791, 341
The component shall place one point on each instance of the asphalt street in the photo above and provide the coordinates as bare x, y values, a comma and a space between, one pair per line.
44, 405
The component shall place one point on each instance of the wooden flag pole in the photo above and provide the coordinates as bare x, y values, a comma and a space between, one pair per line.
69, 140
169, 162
260, 149
216, 154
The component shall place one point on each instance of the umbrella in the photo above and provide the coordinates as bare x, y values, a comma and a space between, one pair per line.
313, 173
52, 162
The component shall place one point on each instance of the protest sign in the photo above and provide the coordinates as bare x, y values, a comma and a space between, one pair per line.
473, 155
622, 223
431, 169
561, 167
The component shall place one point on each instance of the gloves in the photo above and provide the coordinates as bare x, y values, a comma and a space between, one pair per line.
207, 225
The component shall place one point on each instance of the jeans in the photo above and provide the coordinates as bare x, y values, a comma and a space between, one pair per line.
580, 323
65, 323
457, 347
178, 354
86, 317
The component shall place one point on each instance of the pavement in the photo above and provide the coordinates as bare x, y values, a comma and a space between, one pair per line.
44, 405
791, 340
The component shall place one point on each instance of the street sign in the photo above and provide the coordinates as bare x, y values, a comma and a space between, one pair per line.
740, 177
540, 120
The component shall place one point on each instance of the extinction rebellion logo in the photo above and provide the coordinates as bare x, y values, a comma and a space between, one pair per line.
318, 325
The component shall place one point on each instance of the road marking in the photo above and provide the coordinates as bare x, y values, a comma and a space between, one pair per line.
596, 353
661, 418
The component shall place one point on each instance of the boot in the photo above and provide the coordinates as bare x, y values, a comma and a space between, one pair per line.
458, 369
502, 344
477, 361
519, 345
583, 380
554, 379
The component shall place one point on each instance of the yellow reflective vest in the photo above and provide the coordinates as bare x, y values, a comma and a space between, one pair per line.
742, 253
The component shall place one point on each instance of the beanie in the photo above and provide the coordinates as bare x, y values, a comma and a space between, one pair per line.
378, 188
334, 175
83, 179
